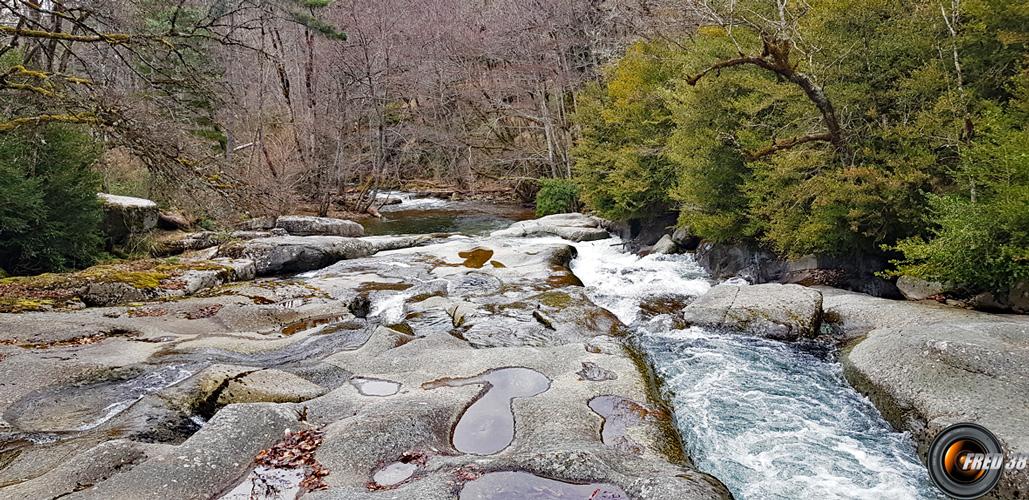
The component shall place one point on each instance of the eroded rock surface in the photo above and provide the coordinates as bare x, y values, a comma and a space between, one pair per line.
174, 399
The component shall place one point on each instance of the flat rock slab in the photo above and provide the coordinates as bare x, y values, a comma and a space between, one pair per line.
304, 225
782, 312
572, 227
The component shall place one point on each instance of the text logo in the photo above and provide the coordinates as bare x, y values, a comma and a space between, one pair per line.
966, 461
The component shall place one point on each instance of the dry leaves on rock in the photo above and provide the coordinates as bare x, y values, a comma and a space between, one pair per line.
296, 451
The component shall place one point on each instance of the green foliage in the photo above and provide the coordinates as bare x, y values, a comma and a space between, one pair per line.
620, 161
923, 132
983, 244
49, 212
557, 196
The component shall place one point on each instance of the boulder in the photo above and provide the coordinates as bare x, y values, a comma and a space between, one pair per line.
1018, 297
684, 239
573, 227
782, 312
227, 384
176, 242
294, 254
383, 243
918, 289
263, 223
172, 221
665, 246
753, 264
125, 216
303, 225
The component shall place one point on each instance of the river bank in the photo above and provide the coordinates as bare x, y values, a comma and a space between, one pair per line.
486, 365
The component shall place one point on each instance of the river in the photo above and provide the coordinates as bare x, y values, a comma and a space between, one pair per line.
770, 420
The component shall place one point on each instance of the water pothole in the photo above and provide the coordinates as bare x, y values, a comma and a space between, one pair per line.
487, 426
375, 387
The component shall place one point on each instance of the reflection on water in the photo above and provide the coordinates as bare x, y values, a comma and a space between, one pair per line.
471, 218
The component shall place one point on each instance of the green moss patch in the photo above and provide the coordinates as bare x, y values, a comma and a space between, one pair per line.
57, 290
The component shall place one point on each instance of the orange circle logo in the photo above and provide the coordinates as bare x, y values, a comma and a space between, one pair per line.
965, 461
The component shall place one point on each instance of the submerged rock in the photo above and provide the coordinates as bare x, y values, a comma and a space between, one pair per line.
782, 312
573, 227
303, 225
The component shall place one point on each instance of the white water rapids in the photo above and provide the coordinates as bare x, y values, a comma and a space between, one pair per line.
766, 418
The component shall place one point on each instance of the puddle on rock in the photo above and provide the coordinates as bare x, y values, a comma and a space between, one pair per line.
395, 473
619, 414
375, 387
525, 486
487, 426
476, 257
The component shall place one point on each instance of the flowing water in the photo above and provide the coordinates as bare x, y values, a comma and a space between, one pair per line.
770, 420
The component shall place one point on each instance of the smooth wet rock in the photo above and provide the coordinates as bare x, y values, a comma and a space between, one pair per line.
782, 312
573, 227
303, 225
395, 473
284, 254
620, 414
919, 289
210, 461
557, 435
125, 216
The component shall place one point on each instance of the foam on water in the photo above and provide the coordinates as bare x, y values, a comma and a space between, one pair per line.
766, 418
409, 201
619, 281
